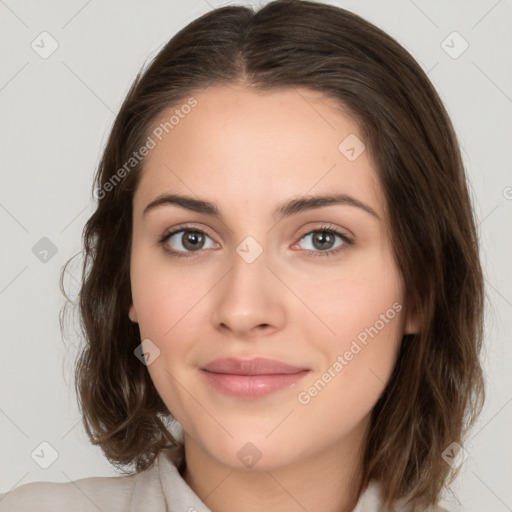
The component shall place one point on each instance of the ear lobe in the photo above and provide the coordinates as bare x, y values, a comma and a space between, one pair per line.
412, 323
132, 314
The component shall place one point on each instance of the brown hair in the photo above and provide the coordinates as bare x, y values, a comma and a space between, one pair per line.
436, 390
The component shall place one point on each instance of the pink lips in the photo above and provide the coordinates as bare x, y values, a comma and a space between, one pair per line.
252, 378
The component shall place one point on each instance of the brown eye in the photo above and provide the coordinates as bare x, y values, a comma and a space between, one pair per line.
322, 242
192, 240
184, 241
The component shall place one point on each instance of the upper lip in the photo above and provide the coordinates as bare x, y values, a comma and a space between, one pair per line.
256, 366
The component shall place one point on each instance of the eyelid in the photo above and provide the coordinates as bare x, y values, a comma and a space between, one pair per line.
188, 226
326, 226
185, 227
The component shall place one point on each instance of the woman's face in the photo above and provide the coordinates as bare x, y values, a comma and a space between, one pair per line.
255, 274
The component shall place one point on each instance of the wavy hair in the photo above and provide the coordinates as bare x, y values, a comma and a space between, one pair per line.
437, 387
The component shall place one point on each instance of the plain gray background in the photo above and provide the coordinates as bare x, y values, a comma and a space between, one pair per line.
56, 113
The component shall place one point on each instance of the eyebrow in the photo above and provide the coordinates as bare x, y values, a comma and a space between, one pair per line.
284, 209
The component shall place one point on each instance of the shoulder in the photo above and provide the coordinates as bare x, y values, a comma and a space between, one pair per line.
83, 495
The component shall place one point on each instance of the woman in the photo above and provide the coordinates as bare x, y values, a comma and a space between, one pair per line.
283, 260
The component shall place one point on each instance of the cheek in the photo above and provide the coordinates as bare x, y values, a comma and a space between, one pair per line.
359, 334
357, 365
171, 312
353, 298
164, 293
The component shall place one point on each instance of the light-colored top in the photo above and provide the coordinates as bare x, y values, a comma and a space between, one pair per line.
159, 488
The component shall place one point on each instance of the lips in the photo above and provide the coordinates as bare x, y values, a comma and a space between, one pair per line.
251, 379
257, 366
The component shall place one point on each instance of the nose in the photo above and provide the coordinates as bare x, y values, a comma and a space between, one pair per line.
249, 300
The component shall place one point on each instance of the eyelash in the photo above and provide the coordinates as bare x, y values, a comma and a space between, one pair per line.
324, 229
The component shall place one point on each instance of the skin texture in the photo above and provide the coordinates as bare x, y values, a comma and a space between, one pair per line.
248, 151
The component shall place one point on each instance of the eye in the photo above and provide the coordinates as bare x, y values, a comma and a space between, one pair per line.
189, 239
322, 241
186, 240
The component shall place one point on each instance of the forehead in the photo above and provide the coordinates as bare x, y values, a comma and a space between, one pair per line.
252, 149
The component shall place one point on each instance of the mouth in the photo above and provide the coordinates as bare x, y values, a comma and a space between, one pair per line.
252, 378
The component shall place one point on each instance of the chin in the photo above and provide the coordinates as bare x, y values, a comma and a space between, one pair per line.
250, 453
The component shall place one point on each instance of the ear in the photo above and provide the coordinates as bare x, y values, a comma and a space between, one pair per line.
132, 314
412, 323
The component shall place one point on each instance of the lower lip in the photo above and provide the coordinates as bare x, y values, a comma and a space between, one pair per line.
251, 386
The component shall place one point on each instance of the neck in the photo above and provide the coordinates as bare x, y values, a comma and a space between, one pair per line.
328, 481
